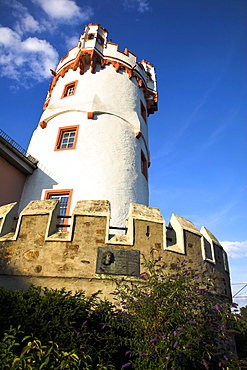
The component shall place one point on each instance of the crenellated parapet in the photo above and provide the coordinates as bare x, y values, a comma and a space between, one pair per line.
89, 253
93, 50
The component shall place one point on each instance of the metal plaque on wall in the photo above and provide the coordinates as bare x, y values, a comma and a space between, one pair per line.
118, 261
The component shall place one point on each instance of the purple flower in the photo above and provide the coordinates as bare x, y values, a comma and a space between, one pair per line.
164, 336
127, 353
216, 307
85, 322
226, 358
196, 277
188, 297
174, 333
126, 365
168, 358
184, 273
192, 322
103, 327
179, 328
153, 340
205, 364
143, 355
175, 345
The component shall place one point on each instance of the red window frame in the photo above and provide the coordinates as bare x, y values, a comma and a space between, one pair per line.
67, 87
143, 111
61, 131
144, 165
60, 192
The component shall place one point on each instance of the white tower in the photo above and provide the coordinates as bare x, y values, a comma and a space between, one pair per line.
93, 134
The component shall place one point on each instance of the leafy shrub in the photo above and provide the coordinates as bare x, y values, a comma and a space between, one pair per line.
160, 320
177, 320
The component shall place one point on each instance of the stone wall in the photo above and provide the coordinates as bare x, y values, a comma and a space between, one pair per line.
87, 255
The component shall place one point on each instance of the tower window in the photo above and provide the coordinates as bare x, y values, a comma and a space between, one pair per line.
100, 40
64, 197
144, 165
143, 112
90, 36
69, 89
66, 138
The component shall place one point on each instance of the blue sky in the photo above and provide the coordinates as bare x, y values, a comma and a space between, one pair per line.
197, 138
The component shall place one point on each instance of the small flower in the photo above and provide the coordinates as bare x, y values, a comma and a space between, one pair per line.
126, 365
179, 328
196, 277
168, 358
205, 365
103, 327
174, 333
142, 355
153, 340
127, 353
192, 322
175, 345
85, 322
164, 336
184, 273
216, 307
188, 297
226, 358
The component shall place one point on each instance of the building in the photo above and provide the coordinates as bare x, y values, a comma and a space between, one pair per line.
15, 165
88, 218
93, 134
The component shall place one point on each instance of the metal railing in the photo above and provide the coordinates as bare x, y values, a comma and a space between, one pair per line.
18, 147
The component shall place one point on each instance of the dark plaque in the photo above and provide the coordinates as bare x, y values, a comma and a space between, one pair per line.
118, 262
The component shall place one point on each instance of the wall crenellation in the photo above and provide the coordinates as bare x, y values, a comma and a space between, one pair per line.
36, 252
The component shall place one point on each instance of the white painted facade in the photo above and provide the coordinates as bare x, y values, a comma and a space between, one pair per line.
106, 162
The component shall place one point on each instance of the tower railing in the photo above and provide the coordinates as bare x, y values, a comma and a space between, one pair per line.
18, 147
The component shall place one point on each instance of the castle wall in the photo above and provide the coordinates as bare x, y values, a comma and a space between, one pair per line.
36, 253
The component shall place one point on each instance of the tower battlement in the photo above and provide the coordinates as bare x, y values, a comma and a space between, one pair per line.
33, 251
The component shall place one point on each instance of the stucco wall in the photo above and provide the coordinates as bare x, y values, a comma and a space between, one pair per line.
11, 183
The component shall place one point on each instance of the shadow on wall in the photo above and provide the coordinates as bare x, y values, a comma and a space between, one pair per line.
33, 189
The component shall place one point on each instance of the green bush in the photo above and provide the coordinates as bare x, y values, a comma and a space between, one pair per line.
160, 320
177, 320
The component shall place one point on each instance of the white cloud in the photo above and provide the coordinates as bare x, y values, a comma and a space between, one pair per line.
25, 21
72, 41
64, 10
141, 5
235, 249
25, 59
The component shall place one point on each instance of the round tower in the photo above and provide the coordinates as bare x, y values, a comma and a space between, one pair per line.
93, 133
